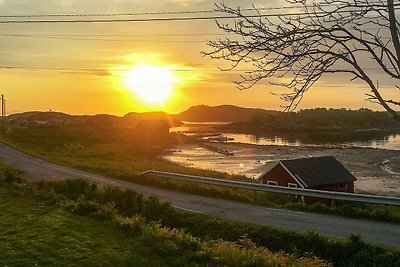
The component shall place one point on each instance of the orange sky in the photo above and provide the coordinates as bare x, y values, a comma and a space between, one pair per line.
63, 54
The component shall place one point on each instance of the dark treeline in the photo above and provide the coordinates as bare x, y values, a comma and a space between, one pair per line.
325, 118
319, 125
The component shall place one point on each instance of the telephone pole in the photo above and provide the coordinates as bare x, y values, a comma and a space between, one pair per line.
3, 112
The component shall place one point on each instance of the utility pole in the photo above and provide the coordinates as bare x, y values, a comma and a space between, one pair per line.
3, 112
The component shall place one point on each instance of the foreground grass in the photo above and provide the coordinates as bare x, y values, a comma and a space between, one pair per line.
41, 227
118, 153
34, 233
183, 239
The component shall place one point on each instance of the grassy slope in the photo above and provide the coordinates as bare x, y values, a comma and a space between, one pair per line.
37, 233
136, 216
34, 233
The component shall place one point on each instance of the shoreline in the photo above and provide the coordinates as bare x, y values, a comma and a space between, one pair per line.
377, 170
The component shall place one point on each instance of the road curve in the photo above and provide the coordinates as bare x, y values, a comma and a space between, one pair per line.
379, 233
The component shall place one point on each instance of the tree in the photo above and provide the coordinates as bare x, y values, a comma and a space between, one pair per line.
325, 37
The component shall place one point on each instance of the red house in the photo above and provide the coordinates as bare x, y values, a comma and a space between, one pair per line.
321, 173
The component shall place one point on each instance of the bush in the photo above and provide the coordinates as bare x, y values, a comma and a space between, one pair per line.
85, 207
126, 201
132, 224
11, 176
75, 188
153, 209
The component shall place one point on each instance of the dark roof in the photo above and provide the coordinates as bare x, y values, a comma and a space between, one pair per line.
153, 123
318, 171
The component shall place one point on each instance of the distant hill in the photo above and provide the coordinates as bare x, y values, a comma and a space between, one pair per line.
39, 115
223, 113
101, 120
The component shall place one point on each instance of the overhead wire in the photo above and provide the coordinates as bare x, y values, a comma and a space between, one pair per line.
127, 41
129, 69
320, 4
105, 40
159, 19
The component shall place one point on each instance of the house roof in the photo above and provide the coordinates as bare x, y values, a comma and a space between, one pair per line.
316, 171
153, 123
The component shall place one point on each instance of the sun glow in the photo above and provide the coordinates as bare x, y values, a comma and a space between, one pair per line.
150, 83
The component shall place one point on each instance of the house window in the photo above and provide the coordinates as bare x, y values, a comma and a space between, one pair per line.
342, 187
272, 183
292, 185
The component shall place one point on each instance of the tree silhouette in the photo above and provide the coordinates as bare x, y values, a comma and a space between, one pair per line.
357, 37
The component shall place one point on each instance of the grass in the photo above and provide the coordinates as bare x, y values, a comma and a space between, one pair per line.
119, 153
37, 234
185, 238
49, 224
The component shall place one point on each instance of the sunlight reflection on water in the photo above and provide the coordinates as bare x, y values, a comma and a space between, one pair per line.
391, 142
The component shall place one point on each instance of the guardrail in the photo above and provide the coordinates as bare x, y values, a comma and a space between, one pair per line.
279, 189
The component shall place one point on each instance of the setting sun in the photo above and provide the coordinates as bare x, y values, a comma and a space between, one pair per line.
150, 83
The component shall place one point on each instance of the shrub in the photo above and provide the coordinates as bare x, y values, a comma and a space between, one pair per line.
126, 201
85, 207
132, 224
75, 188
11, 176
153, 209
106, 212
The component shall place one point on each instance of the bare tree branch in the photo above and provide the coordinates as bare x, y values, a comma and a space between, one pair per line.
328, 37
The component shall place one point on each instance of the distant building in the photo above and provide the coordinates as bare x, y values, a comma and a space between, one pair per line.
321, 173
152, 127
152, 133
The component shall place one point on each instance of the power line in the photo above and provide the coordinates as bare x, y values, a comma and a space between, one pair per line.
175, 12
144, 19
159, 19
43, 35
116, 40
316, 4
129, 69
118, 35
105, 40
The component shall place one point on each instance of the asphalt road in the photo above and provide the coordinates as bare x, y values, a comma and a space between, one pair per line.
379, 233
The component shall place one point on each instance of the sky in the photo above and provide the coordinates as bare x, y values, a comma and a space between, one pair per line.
85, 68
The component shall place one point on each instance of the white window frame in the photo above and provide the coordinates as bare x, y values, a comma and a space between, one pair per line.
272, 183
292, 185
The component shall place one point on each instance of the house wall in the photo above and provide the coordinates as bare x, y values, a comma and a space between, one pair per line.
337, 187
329, 187
280, 175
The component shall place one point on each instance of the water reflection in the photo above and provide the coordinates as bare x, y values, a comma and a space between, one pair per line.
374, 139
388, 142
